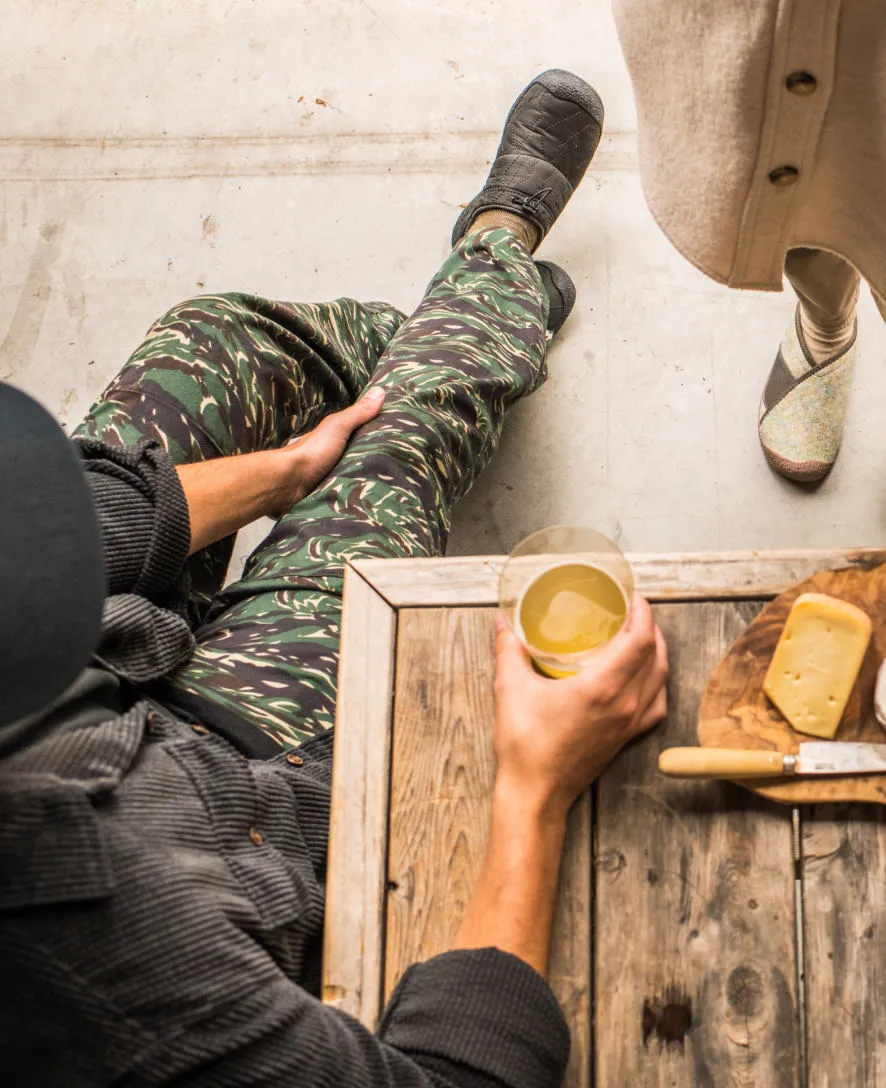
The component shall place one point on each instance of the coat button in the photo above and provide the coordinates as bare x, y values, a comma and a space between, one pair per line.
801, 82
784, 175
256, 836
295, 760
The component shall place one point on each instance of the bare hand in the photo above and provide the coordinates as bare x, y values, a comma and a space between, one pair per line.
554, 737
309, 459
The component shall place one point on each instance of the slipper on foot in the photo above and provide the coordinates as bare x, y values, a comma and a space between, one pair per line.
548, 141
803, 409
560, 290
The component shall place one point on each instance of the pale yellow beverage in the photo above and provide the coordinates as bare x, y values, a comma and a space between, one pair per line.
570, 609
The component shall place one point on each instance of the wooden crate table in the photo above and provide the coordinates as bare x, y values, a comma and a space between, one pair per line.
704, 936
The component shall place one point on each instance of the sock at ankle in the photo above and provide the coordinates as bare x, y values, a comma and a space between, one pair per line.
824, 343
524, 230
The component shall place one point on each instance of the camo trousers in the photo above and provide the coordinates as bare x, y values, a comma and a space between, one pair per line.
233, 373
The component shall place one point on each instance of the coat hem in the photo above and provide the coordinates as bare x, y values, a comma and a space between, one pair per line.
696, 263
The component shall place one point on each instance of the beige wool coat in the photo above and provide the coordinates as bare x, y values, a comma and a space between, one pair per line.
762, 127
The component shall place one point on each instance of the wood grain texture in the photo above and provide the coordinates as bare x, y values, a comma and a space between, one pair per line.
354, 929
695, 949
473, 580
736, 714
844, 894
441, 781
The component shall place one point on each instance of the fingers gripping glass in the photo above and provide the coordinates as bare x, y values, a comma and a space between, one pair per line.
566, 592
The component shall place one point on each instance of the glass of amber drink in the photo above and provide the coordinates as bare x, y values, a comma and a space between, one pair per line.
566, 591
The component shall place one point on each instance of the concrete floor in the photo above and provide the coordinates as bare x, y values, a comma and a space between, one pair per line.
304, 150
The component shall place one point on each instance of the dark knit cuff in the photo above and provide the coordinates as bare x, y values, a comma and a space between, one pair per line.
139, 496
171, 541
484, 1009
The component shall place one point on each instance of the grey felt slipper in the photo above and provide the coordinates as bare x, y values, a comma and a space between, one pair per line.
548, 141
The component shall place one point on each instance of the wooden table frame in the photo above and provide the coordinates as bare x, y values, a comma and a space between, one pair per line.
375, 591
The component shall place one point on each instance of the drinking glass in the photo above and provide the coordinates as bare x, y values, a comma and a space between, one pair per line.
544, 552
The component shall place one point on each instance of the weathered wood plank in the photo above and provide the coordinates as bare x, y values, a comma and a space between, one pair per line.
441, 781
571, 950
695, 950
354, 930
844, 908
473, 580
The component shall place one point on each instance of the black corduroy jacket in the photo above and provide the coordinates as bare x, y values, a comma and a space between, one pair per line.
161, 893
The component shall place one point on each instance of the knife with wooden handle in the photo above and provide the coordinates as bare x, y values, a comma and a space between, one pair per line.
817, 758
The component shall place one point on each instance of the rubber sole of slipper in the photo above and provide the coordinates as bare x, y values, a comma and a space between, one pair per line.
800, 472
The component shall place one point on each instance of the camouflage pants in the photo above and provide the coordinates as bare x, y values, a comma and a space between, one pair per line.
227, 374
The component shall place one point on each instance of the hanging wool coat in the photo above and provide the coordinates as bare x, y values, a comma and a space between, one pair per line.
762, 127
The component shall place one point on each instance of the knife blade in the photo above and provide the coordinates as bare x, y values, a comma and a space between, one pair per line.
814, 758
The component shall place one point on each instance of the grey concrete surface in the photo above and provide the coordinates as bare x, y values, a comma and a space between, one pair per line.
305, 151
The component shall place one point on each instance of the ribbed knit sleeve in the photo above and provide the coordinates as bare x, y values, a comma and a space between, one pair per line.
146, 533
143, 515
483, 1011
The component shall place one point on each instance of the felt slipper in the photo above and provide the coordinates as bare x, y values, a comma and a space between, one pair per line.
804, 408
548, 141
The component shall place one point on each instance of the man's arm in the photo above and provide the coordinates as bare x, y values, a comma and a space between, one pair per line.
552, 739
227, 493
512, 908
152, 514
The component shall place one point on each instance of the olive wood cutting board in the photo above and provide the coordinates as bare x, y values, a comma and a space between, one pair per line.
735, 713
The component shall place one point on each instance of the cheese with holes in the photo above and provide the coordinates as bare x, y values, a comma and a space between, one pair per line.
817, 661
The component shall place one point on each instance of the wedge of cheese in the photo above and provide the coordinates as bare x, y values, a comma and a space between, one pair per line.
817, 661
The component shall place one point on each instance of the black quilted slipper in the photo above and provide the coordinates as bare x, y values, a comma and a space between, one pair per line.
547, 144
560, 291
